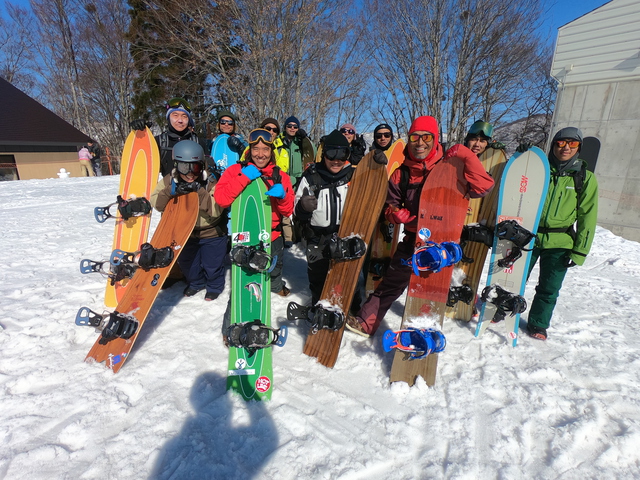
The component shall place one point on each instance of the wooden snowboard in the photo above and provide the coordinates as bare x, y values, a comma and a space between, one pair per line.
174, 229
481, 210
443, 206
139, 168
366, 196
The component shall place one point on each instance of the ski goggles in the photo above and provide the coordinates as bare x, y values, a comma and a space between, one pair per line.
426, 137
187, 167
340, 154
260, 134
571, 143
178, 102
349, 131
481, 128
226, 122
378, 136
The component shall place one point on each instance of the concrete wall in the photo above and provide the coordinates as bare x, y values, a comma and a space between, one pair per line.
45, 165
611, 112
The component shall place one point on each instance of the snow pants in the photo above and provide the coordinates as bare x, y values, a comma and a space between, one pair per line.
277, 248
86, 169
552, 273
395, 281
202, 263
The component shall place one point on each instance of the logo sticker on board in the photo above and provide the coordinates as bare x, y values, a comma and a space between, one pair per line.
242, 237
241, 364
263, 384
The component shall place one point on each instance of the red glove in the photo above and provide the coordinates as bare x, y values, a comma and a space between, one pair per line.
398, 216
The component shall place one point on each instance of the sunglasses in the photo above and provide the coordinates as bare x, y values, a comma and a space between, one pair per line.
178, 102
378, 136
571, 143
341, 154
186, 167
347, 130
426, 137
292, 125
260, 134
226, 122
481, 128
271, 129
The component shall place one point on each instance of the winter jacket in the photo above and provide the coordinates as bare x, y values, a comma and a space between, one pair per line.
561, 214
84, 154
233, 182
477, 180
166, 140
212, 218
331, 191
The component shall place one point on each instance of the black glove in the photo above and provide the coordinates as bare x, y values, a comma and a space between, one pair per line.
235, 144
139, 124
300, 134
309, 202
379, 157
182, 188
359, 143
523, 147
497, 145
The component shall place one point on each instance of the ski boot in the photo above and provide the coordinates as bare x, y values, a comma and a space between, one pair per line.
462, 293
113, 325
505, 302
252, 258
520, 237
146, 258
417, 342
433, 257
135, 207
252, 336
337, 248
115, 273
317, 317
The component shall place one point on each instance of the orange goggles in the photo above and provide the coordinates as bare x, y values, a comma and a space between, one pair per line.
571, 143
426, 137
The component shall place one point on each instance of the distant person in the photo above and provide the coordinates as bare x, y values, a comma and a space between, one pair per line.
96, 162
567, 225
292, 138
227, 124
480, 137
356, 143
84, 157
382, 137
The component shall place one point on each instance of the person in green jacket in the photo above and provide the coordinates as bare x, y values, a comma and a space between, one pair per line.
567, 225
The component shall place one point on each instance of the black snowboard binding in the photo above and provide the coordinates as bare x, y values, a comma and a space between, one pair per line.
475, 233
463, 293
134, 207
253, 258
505, 302
146, 258
336, 248
115, 273
317, 317
518, 235
113, 325
252, 336
387, 229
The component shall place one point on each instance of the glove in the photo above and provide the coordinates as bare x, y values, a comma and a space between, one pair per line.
399, 216
359, 143
277, 191
523, 147
182, 188
308, 202
300, 134
251, 172
567, 262
497, 145
235, 143
379, 157
140, 124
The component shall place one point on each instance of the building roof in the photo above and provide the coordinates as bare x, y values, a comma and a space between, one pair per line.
26, 122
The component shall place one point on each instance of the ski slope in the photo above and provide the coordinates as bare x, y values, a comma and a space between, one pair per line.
565, 409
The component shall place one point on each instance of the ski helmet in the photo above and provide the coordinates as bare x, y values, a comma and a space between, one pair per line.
188, 151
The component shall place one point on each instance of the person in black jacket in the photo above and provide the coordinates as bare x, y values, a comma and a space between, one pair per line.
356, 143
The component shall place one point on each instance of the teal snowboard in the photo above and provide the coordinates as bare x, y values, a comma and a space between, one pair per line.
523, 190
222, 155
251, 373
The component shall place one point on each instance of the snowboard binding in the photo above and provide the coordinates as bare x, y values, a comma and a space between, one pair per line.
475, 233
113, 325
253, 258
317, 317
505, 302
252, 336
146, 258
433, 257
462, 293
135, 207
115, 273
417, 342
518, 235
337, 248
387, 229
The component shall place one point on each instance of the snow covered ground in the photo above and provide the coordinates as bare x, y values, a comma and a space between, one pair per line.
565, 409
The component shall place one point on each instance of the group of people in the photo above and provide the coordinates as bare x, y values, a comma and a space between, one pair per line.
90, 161
315, 201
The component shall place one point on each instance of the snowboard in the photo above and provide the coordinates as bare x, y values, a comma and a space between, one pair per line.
174, 229
251, 375
443, 207
483, 211
589, 152
365, 199
386, 234
139, 169
523, 190
221, 154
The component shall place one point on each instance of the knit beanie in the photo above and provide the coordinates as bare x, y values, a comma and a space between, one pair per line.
292, 119
226, 113
336, 139
179, 109
270, 120
348, 125
385, 126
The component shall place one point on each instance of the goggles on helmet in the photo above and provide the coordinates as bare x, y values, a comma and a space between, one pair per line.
187, 167
337, 153
260, 134
481, 128
178, 102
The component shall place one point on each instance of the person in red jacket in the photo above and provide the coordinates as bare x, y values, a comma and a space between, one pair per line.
259, 162
422, 153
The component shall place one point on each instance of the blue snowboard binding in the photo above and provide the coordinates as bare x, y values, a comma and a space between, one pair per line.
417, 342
433, 257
